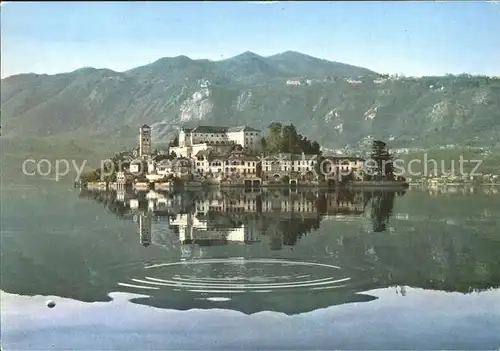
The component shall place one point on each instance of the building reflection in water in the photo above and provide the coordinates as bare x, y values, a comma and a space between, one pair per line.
218, 217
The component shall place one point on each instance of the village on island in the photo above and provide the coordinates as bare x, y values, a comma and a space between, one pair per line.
239, 157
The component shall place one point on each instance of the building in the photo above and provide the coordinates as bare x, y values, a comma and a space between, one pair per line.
227, 161
354, 81
138, 167
340, 167
182, 168
164, 168
159, 167
123, 179
193, 140
144, 140
299, 81
297, 165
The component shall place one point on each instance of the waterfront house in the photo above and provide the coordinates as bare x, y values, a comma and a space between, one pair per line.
231, 161
279, 165
138, 166
340, 167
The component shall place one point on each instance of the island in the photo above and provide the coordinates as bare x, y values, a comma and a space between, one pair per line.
241, 156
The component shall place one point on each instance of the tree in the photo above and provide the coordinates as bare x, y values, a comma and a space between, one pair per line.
263, 143
316, 149
288, 142
384, 160
285, 139
273, 139
174, 142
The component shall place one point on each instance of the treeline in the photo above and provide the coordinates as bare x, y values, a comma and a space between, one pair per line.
286, 139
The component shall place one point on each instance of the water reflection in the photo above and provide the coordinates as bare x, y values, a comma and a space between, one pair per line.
275, 250
207, 218
224, 239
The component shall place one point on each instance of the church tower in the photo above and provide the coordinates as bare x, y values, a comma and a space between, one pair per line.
144, 140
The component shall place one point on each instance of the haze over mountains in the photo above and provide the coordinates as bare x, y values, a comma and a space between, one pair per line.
335, 103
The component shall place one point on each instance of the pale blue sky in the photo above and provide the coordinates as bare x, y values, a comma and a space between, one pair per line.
413, 38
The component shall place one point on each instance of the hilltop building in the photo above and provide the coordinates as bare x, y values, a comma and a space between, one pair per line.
193, 140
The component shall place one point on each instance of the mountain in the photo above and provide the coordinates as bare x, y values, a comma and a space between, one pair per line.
298, 64
335, 103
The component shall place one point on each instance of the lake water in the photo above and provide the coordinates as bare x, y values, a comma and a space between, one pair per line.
249, 270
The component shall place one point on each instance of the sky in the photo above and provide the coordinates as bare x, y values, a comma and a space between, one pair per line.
410, 38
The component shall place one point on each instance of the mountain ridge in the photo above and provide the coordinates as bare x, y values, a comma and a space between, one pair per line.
243, 54
334, 103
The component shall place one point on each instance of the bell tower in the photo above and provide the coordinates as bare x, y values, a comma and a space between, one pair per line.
144, 140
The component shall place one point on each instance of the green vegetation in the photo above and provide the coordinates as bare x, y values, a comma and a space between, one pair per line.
384, 160
286, 139
174, 142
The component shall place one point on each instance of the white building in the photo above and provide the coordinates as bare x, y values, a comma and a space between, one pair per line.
353, 81
294, 82
226, 160
192, 140
276, 165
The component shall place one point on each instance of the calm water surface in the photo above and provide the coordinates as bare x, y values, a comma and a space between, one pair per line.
250, 270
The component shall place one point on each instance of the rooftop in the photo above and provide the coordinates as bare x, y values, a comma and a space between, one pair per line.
219, 129
292, 157
348, 158
242, 128
209, 129
224, 152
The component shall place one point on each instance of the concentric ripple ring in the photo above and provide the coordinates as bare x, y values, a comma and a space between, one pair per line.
225, 283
